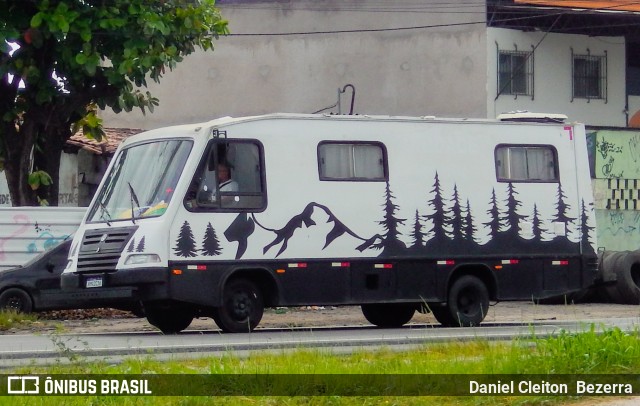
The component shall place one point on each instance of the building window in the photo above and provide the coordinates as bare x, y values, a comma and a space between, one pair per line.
352, 161
589, 76
515, 73
526, 163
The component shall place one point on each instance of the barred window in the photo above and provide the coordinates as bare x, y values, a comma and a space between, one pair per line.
590, 76
515, 73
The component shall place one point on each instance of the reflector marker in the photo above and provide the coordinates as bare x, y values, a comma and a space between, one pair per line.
177, 271
280, 271
297, 265
447, 262
383, 266
340, 264
197, 267
561, 262
509, 261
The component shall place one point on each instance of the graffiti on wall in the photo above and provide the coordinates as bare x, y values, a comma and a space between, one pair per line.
616, 155
32, 236
618, 229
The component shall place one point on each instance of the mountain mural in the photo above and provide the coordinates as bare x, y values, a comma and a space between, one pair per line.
449, 228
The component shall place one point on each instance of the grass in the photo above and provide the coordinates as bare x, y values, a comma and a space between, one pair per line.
10, 319
610, 352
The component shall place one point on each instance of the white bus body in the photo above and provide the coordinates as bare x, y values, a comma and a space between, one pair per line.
395, 214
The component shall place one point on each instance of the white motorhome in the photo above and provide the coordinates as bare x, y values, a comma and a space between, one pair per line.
394, 214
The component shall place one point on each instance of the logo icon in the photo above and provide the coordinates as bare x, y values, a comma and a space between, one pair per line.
20, 385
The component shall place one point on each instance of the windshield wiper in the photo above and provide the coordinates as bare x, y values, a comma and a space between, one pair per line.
134, 198
103, 212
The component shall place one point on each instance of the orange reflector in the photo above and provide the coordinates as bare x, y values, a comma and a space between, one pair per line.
498, 267
177, 271
280, 271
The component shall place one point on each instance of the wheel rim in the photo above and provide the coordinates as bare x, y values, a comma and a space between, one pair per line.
468, 302
240, 305
14, 303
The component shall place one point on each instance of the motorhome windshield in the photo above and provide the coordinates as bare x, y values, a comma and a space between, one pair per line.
141, 181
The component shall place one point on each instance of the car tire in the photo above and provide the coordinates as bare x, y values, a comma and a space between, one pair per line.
16, 299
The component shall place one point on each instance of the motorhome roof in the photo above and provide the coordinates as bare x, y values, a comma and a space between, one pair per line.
200, 129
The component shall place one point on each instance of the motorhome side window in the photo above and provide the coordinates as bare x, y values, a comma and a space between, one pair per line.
526, 163
352, 161
229, 178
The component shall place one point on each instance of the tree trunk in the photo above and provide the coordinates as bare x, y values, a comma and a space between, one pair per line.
18, 147
48, 160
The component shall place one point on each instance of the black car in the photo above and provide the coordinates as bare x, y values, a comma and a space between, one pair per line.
35, 286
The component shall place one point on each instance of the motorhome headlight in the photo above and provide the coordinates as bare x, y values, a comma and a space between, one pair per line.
135, 259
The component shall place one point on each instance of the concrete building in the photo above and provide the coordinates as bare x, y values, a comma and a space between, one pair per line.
455, 58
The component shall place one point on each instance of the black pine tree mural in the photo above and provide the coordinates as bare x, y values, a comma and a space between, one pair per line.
512, 218
132, 245
390, 242
438, 218
561, 209
456, 219
417, 235
469, 228
536, 224
494, 214
140, 246
210, 244
585, 229
185, 245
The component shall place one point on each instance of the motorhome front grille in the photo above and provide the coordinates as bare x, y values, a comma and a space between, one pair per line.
100, 249
98, 263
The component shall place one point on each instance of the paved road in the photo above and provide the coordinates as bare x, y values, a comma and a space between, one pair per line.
28, 349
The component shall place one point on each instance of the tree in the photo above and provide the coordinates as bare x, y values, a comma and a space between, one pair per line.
417, 235
456, 219
210, 244
438, 218
390, 241
469, 227
186, 244
62, 60
494, 214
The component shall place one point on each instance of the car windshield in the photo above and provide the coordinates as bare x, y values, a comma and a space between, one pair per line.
141, 181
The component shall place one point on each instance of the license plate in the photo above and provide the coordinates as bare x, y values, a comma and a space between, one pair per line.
93, 282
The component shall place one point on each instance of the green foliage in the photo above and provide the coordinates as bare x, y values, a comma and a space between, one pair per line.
61, 59
599, 352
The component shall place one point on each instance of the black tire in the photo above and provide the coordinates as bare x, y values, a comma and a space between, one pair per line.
467, 304
388, 314
627, 287
442, 315
17, 300
242, 307
169, 320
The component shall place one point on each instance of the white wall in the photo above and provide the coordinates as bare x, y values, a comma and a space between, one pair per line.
435, 70
552, 72
68, 195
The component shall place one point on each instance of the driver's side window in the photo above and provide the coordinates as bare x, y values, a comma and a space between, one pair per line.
229, 178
